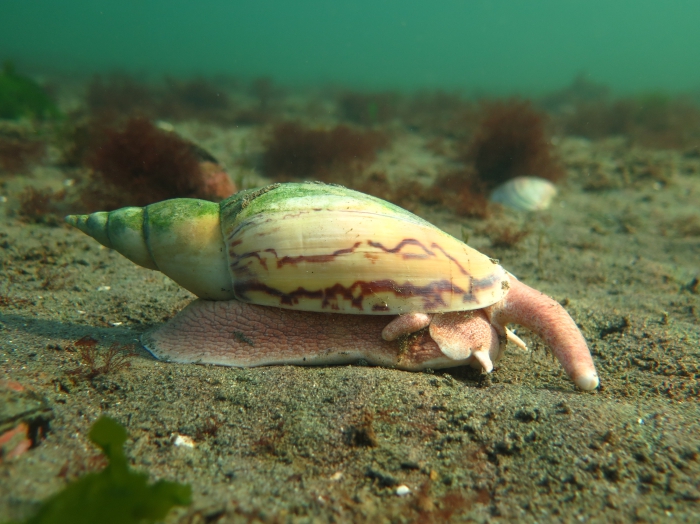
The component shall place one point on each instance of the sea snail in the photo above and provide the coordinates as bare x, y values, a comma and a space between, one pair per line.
307, 274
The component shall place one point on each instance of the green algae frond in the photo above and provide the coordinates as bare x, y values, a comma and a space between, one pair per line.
115, 495
21, 97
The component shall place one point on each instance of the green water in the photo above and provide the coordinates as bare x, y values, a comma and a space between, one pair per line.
497, 46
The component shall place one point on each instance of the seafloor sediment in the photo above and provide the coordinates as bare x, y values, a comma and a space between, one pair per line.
619, 248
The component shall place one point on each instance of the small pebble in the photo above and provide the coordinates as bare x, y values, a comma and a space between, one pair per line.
403, 490
183, 441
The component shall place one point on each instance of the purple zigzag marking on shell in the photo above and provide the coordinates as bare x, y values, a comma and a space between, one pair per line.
431, 293
450, 257
477, 285
236, 259
414, 242
268, 232
287, 260
241, 289
400, 246
253, 221
316, 259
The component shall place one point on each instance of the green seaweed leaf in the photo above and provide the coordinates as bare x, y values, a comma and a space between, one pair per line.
21, 97
115, 495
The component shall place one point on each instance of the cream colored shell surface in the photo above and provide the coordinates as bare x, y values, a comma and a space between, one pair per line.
326, 248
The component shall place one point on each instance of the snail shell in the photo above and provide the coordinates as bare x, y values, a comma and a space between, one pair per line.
309, 246
525, 193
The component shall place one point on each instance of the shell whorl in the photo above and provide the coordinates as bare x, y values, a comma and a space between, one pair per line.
179, 237
121, 230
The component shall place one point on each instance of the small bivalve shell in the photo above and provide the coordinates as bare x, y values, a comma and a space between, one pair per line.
525, 193
403, 490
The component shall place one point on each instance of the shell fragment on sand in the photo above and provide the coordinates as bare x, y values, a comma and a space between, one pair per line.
525, 193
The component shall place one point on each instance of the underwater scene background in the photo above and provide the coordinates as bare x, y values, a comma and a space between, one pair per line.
506, 47
561, 138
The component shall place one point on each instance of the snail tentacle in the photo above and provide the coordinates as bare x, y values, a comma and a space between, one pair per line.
542, 314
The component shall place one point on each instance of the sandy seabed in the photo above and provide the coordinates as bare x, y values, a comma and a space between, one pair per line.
620, 248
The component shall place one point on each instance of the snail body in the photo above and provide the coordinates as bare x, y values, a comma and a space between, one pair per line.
319, 248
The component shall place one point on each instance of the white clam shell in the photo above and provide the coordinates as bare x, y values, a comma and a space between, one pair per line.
525, 193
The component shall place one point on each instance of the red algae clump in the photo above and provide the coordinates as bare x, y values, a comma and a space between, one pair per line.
141, 164
334, 155
511, 141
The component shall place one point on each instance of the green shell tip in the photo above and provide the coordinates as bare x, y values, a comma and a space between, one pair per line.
94, 225
74, 220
